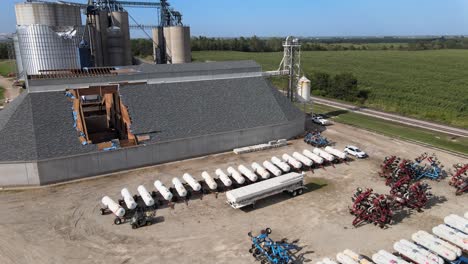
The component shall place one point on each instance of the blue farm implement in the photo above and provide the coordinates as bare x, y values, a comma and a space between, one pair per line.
266, 250
316, 139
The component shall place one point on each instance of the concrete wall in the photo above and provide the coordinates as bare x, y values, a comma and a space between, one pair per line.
93, 164
68, 168
19, 174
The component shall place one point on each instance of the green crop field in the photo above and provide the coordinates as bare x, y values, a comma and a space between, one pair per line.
431, 85
7, 66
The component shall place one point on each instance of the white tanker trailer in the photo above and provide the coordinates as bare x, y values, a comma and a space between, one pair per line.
451, 235
260, 170
248, 173
145, 196
223, 177
457, 222
316, 158
235, 175
281, 164
272, 168
384, 257
433, 244
303, 159
165, 193
327, 156
181, 191
128, 199
292, 183
335, 152
292, 161
192, 182
209, 181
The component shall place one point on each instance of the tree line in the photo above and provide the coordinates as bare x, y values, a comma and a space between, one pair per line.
343, 86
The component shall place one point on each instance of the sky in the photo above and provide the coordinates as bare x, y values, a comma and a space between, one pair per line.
221, 18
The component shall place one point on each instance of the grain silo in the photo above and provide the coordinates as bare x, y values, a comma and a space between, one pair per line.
172, 44
178, 44
48, 35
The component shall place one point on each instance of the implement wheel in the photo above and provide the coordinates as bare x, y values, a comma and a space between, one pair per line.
117, 221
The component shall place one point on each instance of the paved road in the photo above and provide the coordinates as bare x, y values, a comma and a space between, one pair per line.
395, 118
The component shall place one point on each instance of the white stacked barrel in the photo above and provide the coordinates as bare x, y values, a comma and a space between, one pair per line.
335, 152
316, 158
416, 253
451, 235
145, 195
457, 222
328, 261
236, 175
356, 257
384, 257
179, 187
128, 199
209, 180
345, 259
303, 159
248, 173
292, 161
223, 177
260, 170
327, 156
272, 168
192, 182
426, 240
282, 165
114, 207
165, 193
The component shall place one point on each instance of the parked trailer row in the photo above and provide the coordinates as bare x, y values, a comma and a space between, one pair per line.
447, 244
273, 167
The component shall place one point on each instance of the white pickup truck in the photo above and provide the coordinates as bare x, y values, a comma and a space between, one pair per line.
292, 183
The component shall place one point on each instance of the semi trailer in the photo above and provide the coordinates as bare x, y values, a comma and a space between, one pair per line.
292, 183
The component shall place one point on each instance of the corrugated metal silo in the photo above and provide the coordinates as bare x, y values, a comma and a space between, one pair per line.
42, 48
50, 14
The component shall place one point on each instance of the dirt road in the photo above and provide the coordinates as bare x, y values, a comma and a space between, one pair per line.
10, 91
62, 224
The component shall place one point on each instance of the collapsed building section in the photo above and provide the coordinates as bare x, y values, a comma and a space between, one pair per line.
100, 117
86, 125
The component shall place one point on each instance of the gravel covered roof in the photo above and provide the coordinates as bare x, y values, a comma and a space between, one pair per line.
186, 109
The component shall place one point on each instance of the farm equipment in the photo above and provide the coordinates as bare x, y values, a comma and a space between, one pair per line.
266, 250
316, 139
460, 178
395, 168
371, 208
414, 196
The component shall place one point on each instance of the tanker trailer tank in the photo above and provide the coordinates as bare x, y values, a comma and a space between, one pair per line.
236, 175
260, 170
192, 182
145, 195
166, 194
272, 168
223, 177
129, 201
181, 191
248, 173
114, 207
209, 180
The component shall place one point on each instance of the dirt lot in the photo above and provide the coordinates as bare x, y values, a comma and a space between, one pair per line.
62, 224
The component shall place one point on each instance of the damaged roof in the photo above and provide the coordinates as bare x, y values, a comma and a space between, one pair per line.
37, 126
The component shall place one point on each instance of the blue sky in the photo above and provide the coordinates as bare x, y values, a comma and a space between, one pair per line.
223, 18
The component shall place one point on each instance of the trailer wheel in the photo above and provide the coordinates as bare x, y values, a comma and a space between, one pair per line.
148, 223
134, 226
300, 191
293, 193
117, 221
103, 211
